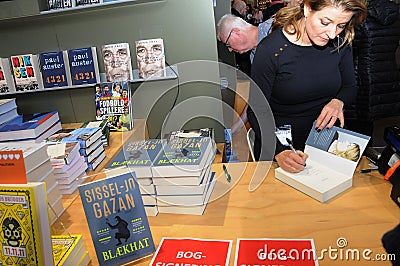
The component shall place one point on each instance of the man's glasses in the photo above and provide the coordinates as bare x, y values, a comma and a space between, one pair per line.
227, 39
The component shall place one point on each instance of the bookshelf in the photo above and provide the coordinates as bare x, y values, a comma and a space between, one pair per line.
24, 29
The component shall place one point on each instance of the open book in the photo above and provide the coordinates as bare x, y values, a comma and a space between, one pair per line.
333, 157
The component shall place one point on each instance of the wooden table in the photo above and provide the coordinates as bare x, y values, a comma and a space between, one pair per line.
361, 215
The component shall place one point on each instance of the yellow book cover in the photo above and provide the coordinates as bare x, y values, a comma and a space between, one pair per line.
25, 237
65, 248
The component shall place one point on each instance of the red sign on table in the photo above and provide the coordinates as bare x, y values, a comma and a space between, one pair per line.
276, 252
192, 251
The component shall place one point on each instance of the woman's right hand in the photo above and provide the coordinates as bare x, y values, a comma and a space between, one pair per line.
290, 161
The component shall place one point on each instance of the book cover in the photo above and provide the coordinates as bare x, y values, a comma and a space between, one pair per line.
55, 69
150, 58
333, 157
104, 129
184, 157
113, 104
26, 72
6, 76
117, 220
117, 62
27, 126
137, 156
192, 251
65, 247
85, 136
25, 237
33, 153
60, 4
275, 251
83, 66
80, 3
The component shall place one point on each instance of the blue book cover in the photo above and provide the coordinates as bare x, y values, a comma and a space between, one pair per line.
184, 156
138, 156
117, 219
83, 66
54, 71
28, 125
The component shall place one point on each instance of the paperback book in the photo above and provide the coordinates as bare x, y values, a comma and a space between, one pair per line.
150, 58
84, 66
55, 69
118, 223
26, 71
28, 126
85, 136
117, 62
6, 76
333, 157
137, 156
25, 225
113, 104
183, 157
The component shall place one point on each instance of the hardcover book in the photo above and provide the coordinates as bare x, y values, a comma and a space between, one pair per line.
113, 104
25, 237
28, 126
117, 221
117, 62
333, 157
60, 4
150, 58
26, 72
83, 66
55, 69
190, 133
183, 157
137, 156
6, 76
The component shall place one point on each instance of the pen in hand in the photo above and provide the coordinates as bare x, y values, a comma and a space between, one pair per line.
292, 148
291, 145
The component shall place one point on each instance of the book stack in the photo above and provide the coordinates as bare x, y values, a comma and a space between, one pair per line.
8, 110
30, 128
182, 175
137, 157
105, 130
91, 145
69, 250
68, 164
39, 169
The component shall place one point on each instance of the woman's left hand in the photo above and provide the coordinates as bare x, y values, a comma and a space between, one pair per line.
329, 114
